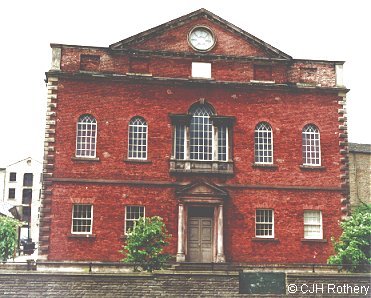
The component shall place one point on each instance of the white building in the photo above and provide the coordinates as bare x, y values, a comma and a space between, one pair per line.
20, 186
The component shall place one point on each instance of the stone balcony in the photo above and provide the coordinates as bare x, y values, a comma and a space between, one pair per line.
201, 167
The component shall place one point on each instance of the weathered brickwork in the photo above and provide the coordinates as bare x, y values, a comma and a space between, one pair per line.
115, 84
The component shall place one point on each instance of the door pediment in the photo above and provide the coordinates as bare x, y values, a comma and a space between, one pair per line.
202, 191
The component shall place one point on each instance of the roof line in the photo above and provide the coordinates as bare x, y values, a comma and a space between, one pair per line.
177, 22
61, 45
23, 160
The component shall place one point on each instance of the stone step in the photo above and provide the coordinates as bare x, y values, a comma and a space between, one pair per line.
205, 267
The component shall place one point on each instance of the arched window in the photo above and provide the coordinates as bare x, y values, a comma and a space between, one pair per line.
201, 133
137, 138
263, 143
311, 146
202, 141
86, 136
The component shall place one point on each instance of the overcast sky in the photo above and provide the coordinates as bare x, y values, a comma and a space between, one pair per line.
328, 30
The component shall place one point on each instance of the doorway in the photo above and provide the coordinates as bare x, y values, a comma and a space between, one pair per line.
200, 234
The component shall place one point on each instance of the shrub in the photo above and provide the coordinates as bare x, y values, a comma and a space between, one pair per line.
8, 237
145, 244
354, 245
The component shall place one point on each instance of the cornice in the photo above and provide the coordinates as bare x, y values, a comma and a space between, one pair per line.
191, 81
163, 183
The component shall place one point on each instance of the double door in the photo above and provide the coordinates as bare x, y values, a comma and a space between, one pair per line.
200, 239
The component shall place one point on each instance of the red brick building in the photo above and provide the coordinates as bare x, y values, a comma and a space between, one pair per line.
239, 147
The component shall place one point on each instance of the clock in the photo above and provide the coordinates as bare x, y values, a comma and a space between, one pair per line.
201, 38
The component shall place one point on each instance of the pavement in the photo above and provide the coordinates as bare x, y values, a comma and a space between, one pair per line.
23, 258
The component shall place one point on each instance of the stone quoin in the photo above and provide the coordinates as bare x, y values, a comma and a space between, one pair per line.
239, 147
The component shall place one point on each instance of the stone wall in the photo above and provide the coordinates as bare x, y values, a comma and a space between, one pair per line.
360, 173
224, 284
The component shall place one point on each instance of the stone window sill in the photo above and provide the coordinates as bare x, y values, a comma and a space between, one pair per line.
201, 78
312, 168
74, 158
264, 166
145, 161
82, 236
314, 240
262, 82
258, 239
139, 74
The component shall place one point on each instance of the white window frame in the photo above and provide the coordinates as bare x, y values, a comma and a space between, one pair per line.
308, 223
201, 70
191, 143
264, 222
177, 150
259, 154
198, 152
226, 143
311, 153
133, 150
130, 219
90, 141
82, 218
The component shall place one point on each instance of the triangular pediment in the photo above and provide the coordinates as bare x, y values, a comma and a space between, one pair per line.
173, 37
200, 189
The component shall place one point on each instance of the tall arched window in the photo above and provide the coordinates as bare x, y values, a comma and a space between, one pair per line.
201, 133
263, 143
86, 136
202, 141
137, 138
311, 146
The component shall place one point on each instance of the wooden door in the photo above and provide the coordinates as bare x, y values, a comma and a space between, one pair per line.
200, 239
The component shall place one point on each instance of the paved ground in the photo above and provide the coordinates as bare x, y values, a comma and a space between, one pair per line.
23, 258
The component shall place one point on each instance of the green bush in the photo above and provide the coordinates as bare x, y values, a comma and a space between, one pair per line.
353, 249
145, 244
8, 237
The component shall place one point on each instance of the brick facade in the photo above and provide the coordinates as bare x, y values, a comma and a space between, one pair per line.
149, 75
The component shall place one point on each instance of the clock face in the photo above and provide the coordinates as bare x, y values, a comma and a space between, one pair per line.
202, 39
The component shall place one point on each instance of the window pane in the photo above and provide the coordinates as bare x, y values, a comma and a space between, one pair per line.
137, 145
264, 223
13, 177
82, 219
27, 196
312, 224
222, 143
311, 145
11, 194
28, 179
179, 141
263, 143
133, 214
201, 132
86, 136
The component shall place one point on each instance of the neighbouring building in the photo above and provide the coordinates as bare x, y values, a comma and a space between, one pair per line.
21, 187
5, 209
239, 147
360, 173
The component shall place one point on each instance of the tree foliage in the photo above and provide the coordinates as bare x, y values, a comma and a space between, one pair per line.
8, 237
145, 244
353, 249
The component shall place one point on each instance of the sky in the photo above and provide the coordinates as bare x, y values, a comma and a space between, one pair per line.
316, 29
